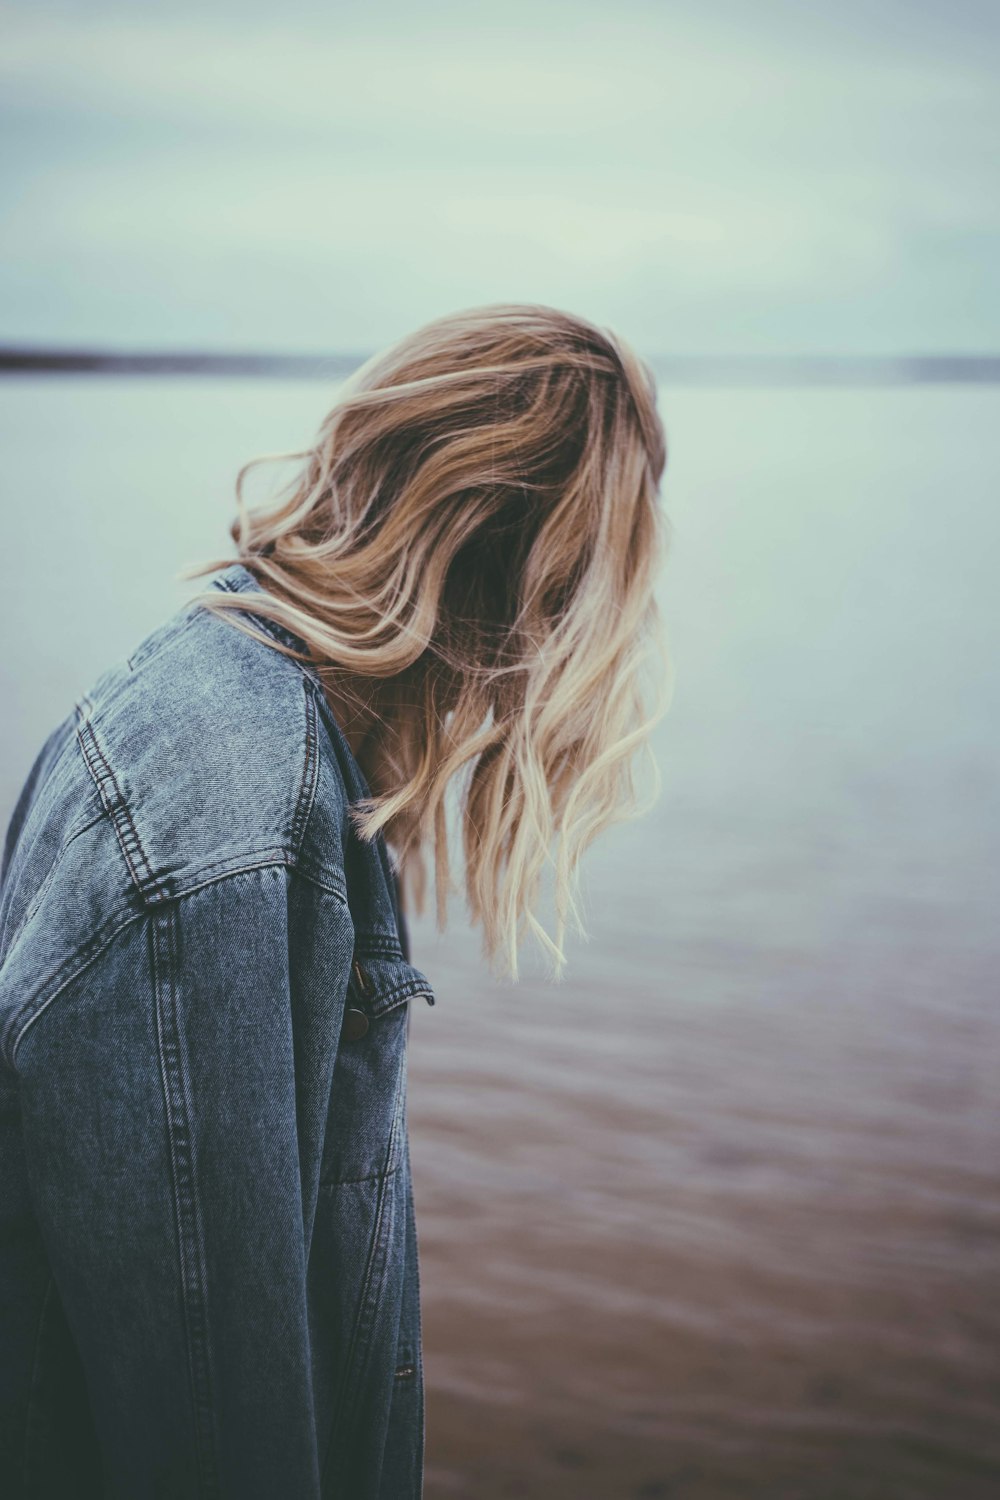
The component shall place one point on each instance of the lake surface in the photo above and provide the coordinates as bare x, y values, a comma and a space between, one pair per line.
720, 1214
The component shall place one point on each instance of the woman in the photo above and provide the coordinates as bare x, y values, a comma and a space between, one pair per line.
208, 1262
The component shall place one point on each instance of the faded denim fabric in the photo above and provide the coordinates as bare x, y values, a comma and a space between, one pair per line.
208, 1259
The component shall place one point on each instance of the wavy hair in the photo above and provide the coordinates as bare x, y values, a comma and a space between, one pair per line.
469, 552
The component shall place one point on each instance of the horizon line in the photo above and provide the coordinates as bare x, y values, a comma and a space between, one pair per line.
710, 369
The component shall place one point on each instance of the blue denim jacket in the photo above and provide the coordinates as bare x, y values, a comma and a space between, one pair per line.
208, 1260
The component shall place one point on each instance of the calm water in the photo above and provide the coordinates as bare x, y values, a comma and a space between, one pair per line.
720, 1215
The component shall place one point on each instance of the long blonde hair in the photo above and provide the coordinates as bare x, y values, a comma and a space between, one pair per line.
471, 546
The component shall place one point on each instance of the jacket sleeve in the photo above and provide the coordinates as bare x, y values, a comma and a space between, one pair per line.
174, 1098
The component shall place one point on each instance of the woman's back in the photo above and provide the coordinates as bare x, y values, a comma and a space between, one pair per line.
204, 1009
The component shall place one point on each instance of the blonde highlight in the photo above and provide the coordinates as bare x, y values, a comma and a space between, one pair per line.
470, 549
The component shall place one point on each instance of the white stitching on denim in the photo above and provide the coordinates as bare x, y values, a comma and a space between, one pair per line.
64, 973
189, 1245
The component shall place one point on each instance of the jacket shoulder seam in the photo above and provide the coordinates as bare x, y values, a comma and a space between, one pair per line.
143, 875
148, 882
82, 956
310, 774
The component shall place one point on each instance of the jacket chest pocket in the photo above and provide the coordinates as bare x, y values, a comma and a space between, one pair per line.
366, 1120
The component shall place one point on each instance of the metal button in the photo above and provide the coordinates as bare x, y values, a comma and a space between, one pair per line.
355, 1024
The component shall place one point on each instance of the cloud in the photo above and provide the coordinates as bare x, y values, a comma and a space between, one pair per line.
708, 175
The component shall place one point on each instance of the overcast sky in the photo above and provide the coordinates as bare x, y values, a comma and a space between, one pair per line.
752, 176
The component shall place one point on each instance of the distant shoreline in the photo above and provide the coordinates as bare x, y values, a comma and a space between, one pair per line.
715, 370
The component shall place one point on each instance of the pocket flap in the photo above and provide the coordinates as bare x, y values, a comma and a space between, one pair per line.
380, 981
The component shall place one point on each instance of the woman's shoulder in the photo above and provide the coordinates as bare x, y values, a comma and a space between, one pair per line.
213, 740
204, 752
